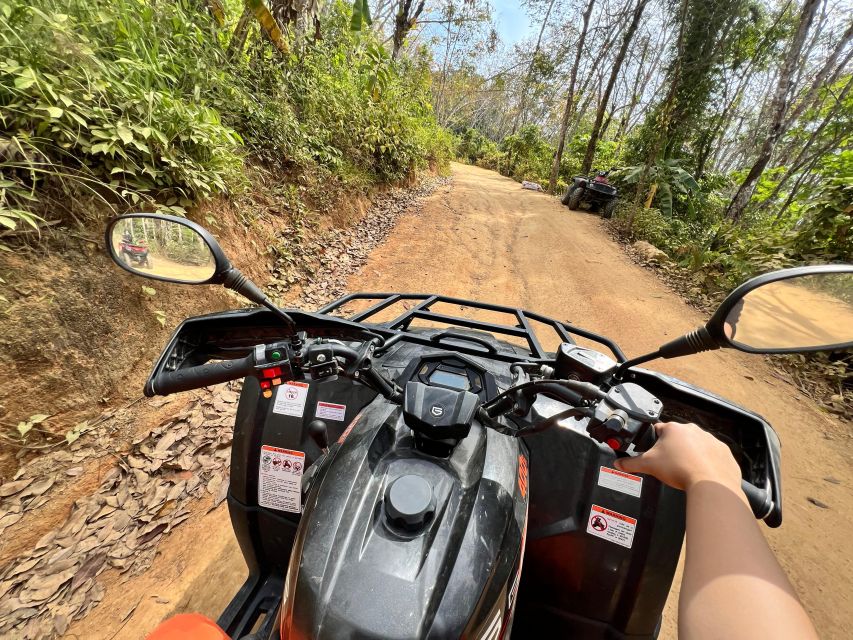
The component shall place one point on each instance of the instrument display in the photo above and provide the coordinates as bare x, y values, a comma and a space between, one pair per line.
448, 379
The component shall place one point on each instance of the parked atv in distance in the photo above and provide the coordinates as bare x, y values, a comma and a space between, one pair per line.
595, 192
400, 472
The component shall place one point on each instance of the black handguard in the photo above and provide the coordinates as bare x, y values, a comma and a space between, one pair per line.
203, 375
759, 499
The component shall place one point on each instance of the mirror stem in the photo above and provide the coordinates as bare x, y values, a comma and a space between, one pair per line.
236, 281
695, 341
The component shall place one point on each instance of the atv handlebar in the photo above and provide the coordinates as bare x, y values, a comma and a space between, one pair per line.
517, 398
759, 500
203, 375
188, 378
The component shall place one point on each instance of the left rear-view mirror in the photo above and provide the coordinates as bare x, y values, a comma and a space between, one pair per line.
165, 248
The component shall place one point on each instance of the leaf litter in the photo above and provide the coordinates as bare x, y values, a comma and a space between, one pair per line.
139, 500
185, 458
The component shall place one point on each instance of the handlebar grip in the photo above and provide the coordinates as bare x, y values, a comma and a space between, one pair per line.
759, 500
200, 376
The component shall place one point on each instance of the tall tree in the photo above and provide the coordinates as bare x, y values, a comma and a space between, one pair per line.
570, 99
404, 21
614, 73
778, 111
662, 117
823, 76
706, 38
533, 60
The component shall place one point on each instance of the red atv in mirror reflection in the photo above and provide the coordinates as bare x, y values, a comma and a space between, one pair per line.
134, 252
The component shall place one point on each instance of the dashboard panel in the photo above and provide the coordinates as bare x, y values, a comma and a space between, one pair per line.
450, 371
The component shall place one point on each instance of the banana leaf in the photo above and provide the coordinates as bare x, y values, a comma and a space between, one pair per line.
360, 15
268, 24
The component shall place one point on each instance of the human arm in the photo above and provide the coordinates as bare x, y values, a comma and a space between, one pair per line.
733, 586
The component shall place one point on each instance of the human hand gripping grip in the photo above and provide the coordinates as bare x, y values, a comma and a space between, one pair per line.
760, 500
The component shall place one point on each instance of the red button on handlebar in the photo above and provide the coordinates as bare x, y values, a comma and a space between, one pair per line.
272, 372
614, 444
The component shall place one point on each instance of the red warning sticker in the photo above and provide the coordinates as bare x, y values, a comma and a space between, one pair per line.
620, 481
331, 411
280, 479
612, 526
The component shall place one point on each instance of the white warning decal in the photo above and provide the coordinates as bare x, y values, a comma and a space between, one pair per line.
290, 399
331, 411
280, 479
620, 481
612, 526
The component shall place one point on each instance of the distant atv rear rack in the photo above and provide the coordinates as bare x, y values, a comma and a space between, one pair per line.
421, 310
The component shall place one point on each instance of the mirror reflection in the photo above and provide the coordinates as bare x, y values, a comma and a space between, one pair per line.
162, 248
807, 312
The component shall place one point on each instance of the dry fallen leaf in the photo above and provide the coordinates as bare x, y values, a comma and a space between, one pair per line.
8, 520
213, 485
128, 613
11, 488
223, 492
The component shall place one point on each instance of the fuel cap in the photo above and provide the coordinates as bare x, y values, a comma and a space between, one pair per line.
409, 502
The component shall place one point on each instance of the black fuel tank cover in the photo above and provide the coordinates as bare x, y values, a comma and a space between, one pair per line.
409, 503
437, 412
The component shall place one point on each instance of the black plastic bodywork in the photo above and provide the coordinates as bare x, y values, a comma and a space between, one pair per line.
351, 573
360, 576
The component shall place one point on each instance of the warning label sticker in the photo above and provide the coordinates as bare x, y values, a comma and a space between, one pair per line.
280, 479
331, 411
290, 399
612, 526
620, 481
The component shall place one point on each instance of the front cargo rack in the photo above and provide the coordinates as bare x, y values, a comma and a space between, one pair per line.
421, 310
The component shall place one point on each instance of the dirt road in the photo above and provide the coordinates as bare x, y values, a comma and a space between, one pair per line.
484, 237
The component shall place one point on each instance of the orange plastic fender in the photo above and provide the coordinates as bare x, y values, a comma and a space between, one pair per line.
188, 626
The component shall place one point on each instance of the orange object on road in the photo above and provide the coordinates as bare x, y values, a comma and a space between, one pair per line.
188, 626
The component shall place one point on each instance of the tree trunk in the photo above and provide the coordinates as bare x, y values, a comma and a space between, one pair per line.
725, 118
404, 22
238, 38
524, 86
665, 112
778, 111
614, 73
800, 160
823, 75
634, 93
570, 101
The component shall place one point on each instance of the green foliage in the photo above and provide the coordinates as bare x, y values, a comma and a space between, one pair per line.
826, 230
96, 99
472, 145
137, 105
669, 177
529, 153
360, 15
